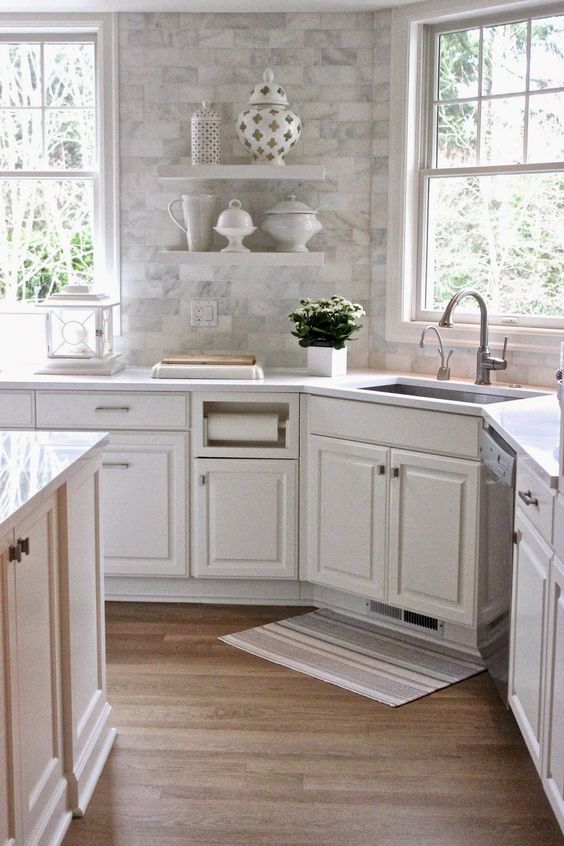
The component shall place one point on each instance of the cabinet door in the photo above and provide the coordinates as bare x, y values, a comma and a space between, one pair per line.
37, 680
433, 535
10, 806
347, 515
246, 517
553, 731
527, 644
144, 505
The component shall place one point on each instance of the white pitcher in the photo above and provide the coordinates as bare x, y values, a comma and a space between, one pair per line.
198, 211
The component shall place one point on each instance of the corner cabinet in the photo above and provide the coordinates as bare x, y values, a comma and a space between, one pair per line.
394, 525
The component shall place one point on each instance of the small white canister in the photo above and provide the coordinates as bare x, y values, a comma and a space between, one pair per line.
206, 135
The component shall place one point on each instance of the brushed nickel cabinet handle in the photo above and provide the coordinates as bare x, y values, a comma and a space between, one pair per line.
23, 544
115, 465
124, 408
528, 498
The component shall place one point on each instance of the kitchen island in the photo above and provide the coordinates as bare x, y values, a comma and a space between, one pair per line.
55, 731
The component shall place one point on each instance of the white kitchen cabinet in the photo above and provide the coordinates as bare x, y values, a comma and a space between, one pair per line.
34, 680
433, 535
245, 518
553, 727
394, 525
528, 628
347, 515
144, 494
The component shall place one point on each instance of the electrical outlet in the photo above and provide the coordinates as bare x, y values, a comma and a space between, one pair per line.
203, 313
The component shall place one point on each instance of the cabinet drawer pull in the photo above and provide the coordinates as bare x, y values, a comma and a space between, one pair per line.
381, 469
115, 465
124, 408
395, 472
23, 544
528, 498
15, 553
202, 479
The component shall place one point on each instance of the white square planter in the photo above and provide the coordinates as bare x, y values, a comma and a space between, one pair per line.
326, 361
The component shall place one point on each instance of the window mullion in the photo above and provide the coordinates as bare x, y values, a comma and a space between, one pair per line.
527, 89
480, 93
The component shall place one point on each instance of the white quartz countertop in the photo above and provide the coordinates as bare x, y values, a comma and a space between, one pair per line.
33, 464
530, 425
532, 428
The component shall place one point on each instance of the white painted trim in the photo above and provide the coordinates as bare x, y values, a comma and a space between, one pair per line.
406, 144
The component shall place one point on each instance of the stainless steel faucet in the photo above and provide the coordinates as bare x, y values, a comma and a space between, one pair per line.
484, 361
443, 373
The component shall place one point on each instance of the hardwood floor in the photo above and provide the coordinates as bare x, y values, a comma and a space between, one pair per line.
216, 746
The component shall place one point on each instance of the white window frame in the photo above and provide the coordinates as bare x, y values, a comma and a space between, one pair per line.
102, 28
411, 77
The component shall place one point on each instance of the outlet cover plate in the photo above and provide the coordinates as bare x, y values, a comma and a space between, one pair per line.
203, 313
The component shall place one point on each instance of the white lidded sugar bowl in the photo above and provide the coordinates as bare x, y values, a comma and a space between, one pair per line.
234, 223
267, 128
291, 224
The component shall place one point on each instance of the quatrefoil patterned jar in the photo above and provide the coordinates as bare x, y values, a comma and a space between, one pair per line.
267, 128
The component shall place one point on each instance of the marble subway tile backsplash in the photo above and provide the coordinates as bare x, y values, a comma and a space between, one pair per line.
168, 64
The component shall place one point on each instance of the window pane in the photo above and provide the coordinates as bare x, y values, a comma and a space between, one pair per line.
70, 139
502, 131
21, 142
69, 75
45, 236
505, 58
456, 134
20, 83
547, 52
458, 64
501, 235
546, 128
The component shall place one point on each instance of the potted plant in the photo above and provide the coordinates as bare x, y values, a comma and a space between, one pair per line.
323, 326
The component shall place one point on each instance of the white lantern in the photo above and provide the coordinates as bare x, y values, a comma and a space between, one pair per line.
79, 333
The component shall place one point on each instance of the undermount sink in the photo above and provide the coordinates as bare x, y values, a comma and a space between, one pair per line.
453, 394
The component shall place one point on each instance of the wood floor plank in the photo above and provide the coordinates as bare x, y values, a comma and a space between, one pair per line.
217, 747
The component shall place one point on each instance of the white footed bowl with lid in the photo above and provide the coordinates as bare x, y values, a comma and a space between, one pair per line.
291, 224
234, 223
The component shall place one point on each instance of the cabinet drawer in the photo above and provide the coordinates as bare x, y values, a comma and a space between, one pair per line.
408, 428
109, 410
16, 410
535, 499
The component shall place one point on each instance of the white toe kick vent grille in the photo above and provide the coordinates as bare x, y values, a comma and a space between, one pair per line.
406, 618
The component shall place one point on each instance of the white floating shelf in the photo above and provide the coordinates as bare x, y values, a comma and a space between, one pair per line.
303, 173
242, 259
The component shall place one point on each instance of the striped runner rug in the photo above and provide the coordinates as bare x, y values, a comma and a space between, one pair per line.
361, 657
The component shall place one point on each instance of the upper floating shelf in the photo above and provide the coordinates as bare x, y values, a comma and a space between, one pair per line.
249, 259
303, 173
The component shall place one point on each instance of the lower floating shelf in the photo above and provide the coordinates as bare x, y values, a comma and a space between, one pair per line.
249, 259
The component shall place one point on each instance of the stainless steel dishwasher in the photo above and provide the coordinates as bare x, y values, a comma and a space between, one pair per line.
497, 504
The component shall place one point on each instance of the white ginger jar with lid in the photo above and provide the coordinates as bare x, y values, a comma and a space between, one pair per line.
206, 135
267, 128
